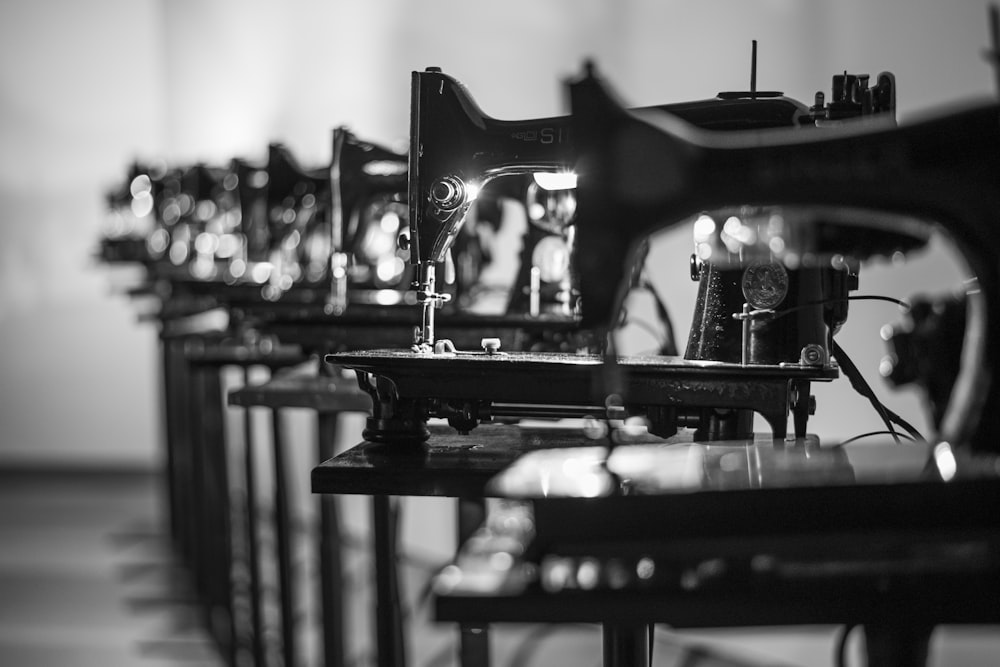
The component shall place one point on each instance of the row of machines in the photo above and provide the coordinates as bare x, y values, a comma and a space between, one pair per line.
665, 505
656, 501
265, 266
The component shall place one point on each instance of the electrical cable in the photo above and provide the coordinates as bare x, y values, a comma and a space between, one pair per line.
888, 416
862, 387
905, 425
870, 434
648, 328
775, 314
857, 380
669, 339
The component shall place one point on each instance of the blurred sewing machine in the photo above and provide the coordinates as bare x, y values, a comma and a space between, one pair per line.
763, 329
696, 531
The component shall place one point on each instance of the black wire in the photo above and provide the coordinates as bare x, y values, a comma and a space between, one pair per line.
669, 339
862, 387
858, 297
647, 327
887, 414
905, 425
870, 434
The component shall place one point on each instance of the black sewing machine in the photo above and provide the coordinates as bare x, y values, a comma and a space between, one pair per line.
131, 216
368, 185
284, 226
180, 225
365, 297
747, 532
856, 191
738, 361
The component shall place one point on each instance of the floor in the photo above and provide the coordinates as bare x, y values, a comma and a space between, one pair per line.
86, 580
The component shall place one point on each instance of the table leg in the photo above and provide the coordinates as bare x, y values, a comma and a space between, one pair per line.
474, 641
253, 556
330, 566
199, 528
282, 526
182, 447
902, 644
215, 509
626, 646
171, 361
388, 619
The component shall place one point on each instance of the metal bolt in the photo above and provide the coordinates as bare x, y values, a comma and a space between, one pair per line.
448, 192
813, 355
490, 345
695, 267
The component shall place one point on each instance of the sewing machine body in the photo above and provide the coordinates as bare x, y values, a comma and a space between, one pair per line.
860, 189
457, 150
714, 398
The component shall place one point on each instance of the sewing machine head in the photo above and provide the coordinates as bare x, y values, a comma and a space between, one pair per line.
368, 189
131, 215
843, 193
197, 220
292, 204
252, 190
456, 149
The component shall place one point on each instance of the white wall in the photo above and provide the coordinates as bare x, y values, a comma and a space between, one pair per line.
87, 86
81, 91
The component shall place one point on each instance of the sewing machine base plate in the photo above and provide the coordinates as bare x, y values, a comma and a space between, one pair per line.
468, 387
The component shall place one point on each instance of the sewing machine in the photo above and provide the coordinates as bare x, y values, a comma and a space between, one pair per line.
130, 216
733, 366
285, 225
757, 531
859, 190
365, 297
368, 183
456, 150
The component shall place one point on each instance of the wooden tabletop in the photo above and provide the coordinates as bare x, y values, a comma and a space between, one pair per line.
449, 464
305, 387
